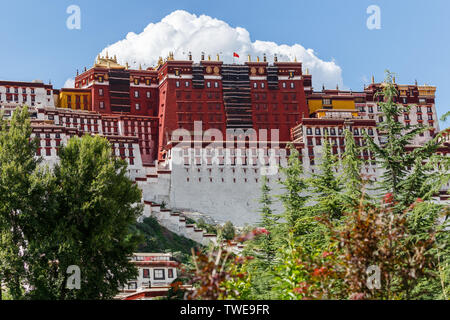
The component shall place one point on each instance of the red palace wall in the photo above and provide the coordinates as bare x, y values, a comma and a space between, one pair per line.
273, 98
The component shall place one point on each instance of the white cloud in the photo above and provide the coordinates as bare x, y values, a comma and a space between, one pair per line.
181, 32
70, 83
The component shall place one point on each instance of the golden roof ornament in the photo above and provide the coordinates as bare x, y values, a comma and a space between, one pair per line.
295, 59
160, 61
373, 79
218, 57
209, 57
249, 58
140, 66
257, 59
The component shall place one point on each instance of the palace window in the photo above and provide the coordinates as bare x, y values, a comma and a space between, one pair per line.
158, 274
136, 94
149, 94
146, 273
177, 84
170, 273
208, 84
429, 110
138, 106
308, 131
318, 131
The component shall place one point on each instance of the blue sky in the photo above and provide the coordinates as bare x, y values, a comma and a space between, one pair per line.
413, 41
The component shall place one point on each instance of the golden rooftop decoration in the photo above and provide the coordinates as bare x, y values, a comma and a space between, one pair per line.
105, 62
218, 57
249, 58
209, 57
257, 59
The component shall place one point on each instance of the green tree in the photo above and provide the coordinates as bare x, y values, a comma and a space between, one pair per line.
227, 231
352, 179
96, 203
294, 198
325, 186
392, 154
22, 199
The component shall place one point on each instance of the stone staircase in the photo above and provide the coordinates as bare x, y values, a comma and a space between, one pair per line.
175, 222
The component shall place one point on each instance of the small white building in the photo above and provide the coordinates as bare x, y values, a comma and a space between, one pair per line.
155, 270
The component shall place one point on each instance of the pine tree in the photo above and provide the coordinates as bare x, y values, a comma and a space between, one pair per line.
266, 242
351, 172
392, 155
294, 198
325, 186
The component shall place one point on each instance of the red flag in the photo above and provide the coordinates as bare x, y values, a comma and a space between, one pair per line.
235, 55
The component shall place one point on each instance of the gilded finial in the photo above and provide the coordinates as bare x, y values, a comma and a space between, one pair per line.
307, 71
257, 59
295, 59
249, 58
373, 79
127, 66
209, 57
160, 61
106, 54
140, 66
218, 57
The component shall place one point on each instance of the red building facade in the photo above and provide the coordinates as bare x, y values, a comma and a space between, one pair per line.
256, 95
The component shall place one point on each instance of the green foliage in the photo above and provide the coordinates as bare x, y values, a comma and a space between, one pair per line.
159, 239
392, 155
227, 231
95, 203
325, 186
294, 198
79, 213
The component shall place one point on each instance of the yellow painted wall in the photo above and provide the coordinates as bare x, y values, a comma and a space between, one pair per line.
343, 104
63, 100
314, 105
